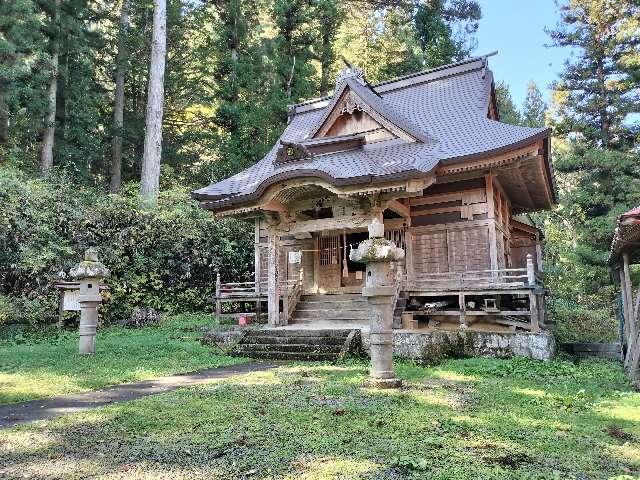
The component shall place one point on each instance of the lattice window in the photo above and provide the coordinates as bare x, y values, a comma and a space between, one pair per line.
330, 250
396, 235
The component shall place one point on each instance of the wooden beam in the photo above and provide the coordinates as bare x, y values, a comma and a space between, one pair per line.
399, 208
339, 223
490, 162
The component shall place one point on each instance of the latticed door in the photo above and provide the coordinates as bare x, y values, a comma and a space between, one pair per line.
330, 261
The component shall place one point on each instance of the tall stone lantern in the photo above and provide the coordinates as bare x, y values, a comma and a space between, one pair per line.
89, 273
379, 289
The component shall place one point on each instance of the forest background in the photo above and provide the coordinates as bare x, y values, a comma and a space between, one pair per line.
74, 82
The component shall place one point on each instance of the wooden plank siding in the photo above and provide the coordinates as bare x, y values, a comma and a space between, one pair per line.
450, 230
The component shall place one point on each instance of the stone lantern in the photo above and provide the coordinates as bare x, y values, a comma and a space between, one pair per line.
89, 273
379, 289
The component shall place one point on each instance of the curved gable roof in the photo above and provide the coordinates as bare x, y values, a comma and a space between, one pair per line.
445, 109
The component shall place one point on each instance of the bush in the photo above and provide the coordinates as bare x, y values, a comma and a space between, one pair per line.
577, 323
143, 317
165, 258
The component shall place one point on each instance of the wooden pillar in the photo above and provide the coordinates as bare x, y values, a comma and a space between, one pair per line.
627, 297
535, 299
408, 254
218, 291
534, 310
316, 262
491, 215
273, 291
345, 264
539, 255
257, 274
463, 310
60, 309
531, 273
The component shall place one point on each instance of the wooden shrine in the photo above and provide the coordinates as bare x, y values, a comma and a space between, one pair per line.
427, 155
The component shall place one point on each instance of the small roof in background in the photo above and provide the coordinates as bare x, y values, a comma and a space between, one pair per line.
626, 237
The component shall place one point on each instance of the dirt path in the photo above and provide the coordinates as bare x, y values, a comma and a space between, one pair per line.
19, 413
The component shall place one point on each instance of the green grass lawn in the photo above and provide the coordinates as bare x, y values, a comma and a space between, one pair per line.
464, 419
50, 366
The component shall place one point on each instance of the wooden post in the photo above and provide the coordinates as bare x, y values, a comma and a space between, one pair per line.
284, 288
627, 295
531, 272
408, 254
538, 253
257, 274
535, 312
273, 293
491, 214
218, 291
60, 309
345, 265
316, 262
625, 306
463, 311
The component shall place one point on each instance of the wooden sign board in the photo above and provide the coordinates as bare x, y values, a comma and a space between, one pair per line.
70, 301
295, 257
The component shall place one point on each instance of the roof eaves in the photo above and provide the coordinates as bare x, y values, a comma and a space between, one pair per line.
244, 199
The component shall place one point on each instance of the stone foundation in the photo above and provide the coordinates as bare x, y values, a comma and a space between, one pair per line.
434, 346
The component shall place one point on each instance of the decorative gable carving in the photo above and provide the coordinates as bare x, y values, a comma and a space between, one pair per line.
291, 152
350, 116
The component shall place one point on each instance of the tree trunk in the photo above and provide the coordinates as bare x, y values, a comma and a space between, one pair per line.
150, 176
602, 104
4, 114
46, 154
118, 106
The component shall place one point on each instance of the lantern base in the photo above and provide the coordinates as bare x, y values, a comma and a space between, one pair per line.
383, 383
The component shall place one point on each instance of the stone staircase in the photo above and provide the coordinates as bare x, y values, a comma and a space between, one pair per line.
323, 327
292, 344
331, 310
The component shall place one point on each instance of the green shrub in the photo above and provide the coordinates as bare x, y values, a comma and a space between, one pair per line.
577, 323
7, 310
165, 258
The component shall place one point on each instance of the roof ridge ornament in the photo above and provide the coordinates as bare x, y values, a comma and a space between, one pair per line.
349, 71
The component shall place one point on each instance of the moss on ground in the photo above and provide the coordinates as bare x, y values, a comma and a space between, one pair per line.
464, 419
49, 366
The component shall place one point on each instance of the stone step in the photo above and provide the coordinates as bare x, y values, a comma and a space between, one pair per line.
334, 298
337, 303
292, 332
337, 314
288, 347
278, 355
294, 340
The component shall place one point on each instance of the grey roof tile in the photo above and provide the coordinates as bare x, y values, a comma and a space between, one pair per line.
445, 109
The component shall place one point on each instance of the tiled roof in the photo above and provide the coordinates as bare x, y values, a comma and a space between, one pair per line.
626, 235
445, 109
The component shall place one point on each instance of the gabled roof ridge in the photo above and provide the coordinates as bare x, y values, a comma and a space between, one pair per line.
432, 70
409, 76
377, 104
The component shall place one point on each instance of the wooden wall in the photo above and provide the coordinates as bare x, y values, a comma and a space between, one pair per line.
450, 228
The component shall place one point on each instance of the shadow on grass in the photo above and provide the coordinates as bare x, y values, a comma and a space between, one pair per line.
317, 421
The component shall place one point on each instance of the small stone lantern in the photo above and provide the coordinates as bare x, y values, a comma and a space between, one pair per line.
378, 253
89, 273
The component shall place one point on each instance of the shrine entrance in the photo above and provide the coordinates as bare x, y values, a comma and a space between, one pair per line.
335, 272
